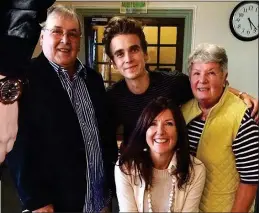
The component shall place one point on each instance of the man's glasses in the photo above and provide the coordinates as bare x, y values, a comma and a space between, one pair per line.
59, 33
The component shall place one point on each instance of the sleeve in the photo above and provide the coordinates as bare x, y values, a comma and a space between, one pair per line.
19, 33
124, 192
29, 161
183, 91
193, 198
246, 150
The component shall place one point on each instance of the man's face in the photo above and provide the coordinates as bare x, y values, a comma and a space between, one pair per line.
128, 56
60, 40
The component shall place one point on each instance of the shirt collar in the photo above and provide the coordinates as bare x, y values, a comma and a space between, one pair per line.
80, 68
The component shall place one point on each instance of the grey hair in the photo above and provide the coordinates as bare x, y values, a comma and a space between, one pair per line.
63, 11
206, 53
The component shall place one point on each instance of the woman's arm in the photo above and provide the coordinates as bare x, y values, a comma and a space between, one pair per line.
193, 198
124, 190
245, 196
246, 150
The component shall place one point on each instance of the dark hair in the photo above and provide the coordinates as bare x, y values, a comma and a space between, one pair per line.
135, 159
122, 25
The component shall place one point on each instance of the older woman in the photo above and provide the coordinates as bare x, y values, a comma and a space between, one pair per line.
222, 134
156, 172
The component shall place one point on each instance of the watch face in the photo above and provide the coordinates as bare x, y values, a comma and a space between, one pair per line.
10, 90
244, 21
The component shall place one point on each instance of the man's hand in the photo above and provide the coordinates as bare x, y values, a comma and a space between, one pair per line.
8, 128
250, 101
48, 208
253, 104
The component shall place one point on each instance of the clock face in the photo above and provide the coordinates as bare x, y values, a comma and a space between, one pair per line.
244, 21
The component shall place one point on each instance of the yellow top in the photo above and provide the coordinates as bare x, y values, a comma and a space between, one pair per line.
215, 150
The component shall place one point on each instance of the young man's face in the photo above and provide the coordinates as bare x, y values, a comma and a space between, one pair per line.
128, 56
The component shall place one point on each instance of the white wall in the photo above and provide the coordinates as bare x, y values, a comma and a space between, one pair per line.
210, 24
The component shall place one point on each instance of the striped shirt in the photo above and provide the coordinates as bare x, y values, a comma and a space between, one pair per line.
128, 106
82, 104
245, 146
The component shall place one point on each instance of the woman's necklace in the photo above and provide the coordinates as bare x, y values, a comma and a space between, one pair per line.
171, 197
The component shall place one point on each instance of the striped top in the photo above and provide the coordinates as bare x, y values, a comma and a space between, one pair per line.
245, 146
127, 106
78, 93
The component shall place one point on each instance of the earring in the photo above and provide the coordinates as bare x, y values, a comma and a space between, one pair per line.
145, 149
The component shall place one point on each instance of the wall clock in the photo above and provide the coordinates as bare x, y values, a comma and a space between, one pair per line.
244, 20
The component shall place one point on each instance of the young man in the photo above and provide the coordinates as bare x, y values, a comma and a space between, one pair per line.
126, 46
64, 154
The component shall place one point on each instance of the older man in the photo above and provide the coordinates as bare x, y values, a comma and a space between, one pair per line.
62, 159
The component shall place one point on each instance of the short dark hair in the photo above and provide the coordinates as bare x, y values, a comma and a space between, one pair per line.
133, 158
119, 25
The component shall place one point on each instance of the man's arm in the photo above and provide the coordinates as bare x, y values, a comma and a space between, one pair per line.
251, 102
8, 127
19, 34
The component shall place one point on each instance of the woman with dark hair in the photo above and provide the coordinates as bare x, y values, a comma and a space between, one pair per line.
155, 172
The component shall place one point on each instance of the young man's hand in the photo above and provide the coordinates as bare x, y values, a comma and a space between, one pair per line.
253, 104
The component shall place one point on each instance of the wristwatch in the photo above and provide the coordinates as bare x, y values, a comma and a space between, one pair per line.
10, 90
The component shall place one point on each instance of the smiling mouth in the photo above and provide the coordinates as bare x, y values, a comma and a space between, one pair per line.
63, 50
203, 89
132, 67
160, 141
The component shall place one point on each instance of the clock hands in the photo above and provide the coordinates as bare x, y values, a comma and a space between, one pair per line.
251, 24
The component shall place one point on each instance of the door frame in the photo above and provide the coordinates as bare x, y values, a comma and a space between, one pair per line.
187, 14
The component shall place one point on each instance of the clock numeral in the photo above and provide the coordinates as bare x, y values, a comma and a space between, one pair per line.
241, 14
256, 9
238, 26
245, 10
255, 30
238, 20
250, 7
243, 30
248, 32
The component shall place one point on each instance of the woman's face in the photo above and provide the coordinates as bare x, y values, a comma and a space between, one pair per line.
207, 83
161, 136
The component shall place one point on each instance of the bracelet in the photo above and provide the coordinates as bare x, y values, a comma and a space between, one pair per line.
241, 93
